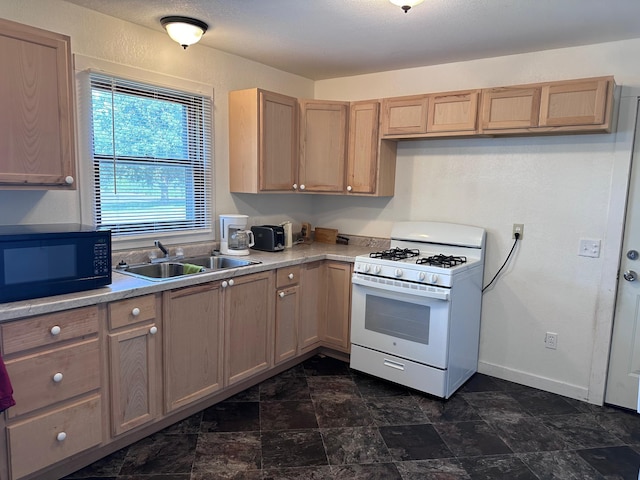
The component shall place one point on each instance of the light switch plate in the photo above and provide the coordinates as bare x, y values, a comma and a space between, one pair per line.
589, 247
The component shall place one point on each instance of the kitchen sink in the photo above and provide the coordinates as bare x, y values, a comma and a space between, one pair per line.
217, 263
187, 266
157, 271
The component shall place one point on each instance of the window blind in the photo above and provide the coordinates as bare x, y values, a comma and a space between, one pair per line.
151, 157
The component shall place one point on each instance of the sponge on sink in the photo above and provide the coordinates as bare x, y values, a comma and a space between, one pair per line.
189, 268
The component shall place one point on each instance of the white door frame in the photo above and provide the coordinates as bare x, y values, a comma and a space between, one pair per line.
612, 244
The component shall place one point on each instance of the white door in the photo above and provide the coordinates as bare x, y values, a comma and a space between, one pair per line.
624, 361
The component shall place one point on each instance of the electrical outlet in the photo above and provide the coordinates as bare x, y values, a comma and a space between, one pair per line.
518, 228
551, 340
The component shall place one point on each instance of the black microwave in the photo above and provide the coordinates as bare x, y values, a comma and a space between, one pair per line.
43, 260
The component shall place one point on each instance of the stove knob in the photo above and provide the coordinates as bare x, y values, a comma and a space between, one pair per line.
398, 273
421, 276
366, 267
433, 278
377, 269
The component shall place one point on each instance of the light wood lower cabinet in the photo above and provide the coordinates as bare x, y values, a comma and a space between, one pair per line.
55, 365
192, 344
337, 316
248, 325
134, 341
287, 313
312, 305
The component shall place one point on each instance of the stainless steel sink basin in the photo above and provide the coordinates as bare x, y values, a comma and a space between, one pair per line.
217, 263
168, 270
158, 271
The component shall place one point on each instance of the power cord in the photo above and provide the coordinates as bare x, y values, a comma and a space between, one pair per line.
517, 236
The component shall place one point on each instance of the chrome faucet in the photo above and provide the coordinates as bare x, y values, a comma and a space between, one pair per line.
162, 247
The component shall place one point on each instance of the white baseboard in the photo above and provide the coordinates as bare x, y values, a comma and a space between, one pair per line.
534, 381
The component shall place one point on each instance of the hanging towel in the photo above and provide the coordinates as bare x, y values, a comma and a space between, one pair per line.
6, 391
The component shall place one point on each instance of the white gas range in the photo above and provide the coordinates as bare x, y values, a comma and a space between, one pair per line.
415, 316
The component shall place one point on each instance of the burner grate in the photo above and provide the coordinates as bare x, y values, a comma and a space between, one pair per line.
444, 261
396, 254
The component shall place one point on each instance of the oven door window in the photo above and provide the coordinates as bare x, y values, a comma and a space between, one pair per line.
408, 321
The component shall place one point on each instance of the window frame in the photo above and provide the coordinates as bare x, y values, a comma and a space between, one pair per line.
84, 67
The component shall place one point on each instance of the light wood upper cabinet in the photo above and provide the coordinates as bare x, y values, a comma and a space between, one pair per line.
193, 344
405, 115
135, 351
37, 143
263, 141
323, 146
248, 325
580, 102
509, 108
371, 162
453, 113
439, 114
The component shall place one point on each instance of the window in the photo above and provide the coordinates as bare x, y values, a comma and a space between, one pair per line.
151, 149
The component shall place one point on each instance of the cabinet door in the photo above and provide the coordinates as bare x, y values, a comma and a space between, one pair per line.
453, 112
286, 332
363, 147
192, 344
323, 146
312, 305
248, 325
338, 305
263, 141
36, 108
134, 370
510, 108
575, 103
404, 115
278, 142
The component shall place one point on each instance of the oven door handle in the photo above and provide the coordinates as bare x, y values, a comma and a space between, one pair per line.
382, 283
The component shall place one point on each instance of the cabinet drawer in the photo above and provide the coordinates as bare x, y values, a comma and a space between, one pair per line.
49, 329
133, 310
287, 276
77, 368
47, 439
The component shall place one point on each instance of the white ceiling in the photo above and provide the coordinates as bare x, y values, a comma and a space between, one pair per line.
321, 39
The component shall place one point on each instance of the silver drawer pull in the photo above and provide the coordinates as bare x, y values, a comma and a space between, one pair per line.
392, 364
61, 437
55, 330
57, 377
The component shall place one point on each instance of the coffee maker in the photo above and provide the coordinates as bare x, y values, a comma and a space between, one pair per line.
235, 238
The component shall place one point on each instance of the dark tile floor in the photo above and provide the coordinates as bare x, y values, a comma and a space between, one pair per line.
321, 420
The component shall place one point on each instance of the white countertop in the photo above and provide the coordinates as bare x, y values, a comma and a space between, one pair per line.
125, 286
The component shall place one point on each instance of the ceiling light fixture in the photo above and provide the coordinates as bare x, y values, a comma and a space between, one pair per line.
406, 4
184, 30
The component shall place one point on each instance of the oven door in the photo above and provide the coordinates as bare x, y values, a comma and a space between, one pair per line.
401, 322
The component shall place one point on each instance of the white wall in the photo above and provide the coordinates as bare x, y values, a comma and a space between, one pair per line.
562, 188
103, 37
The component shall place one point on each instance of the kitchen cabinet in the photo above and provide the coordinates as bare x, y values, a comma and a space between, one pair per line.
37, 143
323, 146
134, 341
405, 115
287, 313
54, 362
509, 108
312, 305
453, 113
371, 162
335, 326
192, 344
584, 103
438, 114
248, 325
263, 141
